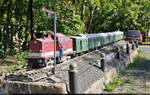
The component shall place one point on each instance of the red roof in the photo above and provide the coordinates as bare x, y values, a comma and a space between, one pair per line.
59, 35
45, 40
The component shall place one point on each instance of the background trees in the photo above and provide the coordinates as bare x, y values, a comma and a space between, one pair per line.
21, 19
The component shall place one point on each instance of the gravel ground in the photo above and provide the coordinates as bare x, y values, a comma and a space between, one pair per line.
145, 49
138, 76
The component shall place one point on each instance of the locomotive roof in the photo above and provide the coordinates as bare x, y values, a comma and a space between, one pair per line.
45, 40
59, 35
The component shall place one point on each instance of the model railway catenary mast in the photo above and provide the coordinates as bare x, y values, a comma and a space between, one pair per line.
49, 14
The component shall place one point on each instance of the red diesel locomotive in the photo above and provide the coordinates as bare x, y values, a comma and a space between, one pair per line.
41, 50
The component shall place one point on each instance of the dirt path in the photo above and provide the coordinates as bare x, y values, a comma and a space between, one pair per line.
136, 79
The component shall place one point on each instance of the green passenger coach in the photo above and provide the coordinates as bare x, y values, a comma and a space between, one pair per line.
80, 43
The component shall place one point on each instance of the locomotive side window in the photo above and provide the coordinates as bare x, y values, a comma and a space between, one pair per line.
62, 40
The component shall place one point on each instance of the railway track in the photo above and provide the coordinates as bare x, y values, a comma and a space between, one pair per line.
33, 75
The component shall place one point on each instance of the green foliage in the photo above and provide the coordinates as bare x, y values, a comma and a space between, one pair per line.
133, 88
146, 43
109, 87
22, 55
122, 15
139, 51
127, 81
136, 60
2, 53
116, 80
20, 65
9, 69
122, 73
76, 26
129, 92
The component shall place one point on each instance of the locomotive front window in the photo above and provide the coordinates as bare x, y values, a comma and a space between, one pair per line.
35, 47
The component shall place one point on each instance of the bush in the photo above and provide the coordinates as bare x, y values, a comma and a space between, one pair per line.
2, 55
22, 55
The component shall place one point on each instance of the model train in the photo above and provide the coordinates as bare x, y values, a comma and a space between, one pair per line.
41, 50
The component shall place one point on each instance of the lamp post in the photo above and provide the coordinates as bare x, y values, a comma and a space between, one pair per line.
49, 14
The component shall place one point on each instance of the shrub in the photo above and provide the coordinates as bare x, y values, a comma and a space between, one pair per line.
22, 55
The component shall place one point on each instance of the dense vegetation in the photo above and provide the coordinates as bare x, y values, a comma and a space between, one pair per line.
21, 19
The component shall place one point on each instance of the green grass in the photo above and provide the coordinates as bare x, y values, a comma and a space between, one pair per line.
136, 60
127, 81
11, 63
116, 80
109, 87
146, 43
133, 88
129, 92
121, 74
140, 51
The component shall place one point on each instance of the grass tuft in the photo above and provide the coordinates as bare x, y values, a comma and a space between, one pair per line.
140, 51
109, 87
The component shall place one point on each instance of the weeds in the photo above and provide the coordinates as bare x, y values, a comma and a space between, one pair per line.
20, 62
140, 51
22, 55
136, 60
129, 92
116, 80
133, 88
122, 73
127, 81
109, 87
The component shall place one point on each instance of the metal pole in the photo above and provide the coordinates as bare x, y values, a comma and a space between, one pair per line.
73, 79
118, 53
55, 42
133, 46
103, 62
128, 48
137, 44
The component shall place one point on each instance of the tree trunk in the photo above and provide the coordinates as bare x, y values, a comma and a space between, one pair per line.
82, 10
25, 44
31, 19
8, 36
91, 18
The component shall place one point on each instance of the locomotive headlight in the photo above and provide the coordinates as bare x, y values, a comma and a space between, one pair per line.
40, 50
